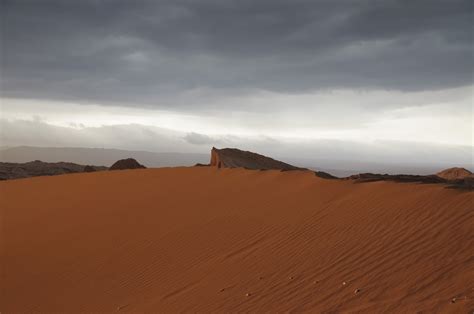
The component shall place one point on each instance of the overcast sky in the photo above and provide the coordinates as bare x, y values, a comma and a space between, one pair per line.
262, 71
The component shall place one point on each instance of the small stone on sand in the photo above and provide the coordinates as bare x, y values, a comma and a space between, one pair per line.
356, 291
248, 294
453, 300
344, 283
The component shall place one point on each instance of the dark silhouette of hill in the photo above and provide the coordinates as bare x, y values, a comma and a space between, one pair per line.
128, 163
370, 177
35, 168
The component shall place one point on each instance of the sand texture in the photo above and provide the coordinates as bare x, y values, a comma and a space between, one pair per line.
231, 240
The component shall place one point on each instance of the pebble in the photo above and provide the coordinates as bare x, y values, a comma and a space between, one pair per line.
453, 300
248, 294
344, 283
356, 291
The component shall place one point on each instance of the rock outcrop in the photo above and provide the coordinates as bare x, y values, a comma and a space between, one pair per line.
458, 177
236, 158
128, 163
454, 173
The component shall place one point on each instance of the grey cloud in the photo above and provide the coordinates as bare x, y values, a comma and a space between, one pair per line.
132, 136
147, 52
200, 139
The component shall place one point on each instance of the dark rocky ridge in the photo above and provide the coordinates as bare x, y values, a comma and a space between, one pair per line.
324, 175
465, 182
128, 163
236, 158
370, 177
9, 170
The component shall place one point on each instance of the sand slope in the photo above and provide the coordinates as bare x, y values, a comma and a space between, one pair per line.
200, 239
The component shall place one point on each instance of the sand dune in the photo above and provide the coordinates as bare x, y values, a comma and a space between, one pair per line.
204, 239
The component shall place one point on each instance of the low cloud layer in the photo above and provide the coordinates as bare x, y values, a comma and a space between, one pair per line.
442, 117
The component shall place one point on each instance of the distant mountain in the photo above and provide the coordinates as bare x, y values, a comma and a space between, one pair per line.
236, 158
99, 156
39, 168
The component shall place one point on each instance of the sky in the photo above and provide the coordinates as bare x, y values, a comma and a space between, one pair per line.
293, 77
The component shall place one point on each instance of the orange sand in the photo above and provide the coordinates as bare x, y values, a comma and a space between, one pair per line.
201, 239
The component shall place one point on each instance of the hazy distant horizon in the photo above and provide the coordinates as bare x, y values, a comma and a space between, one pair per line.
107, 156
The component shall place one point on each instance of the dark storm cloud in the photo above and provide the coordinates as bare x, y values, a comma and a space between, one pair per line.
153, 51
